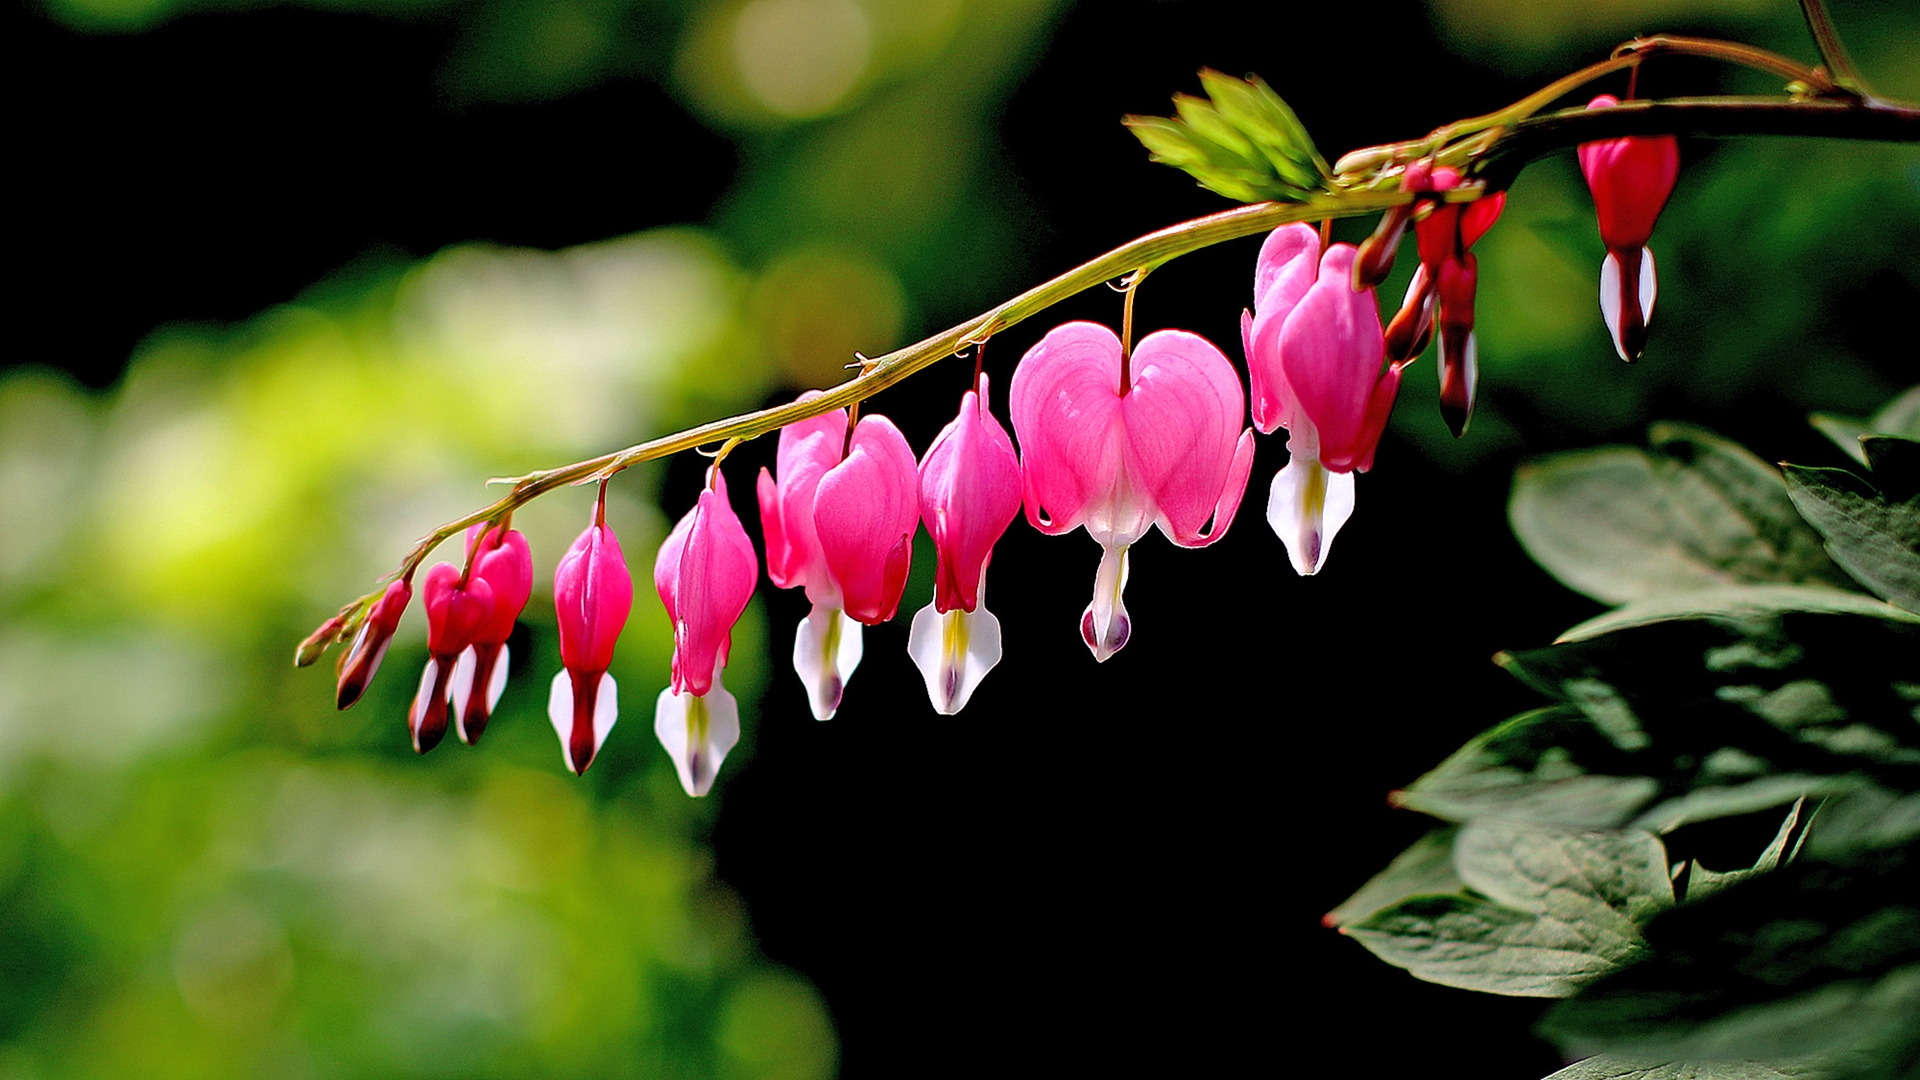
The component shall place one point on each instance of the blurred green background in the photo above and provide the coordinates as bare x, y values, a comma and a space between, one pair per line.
297, 278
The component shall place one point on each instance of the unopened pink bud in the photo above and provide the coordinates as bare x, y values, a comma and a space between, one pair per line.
1631, 178
969, 494
592, 596
705, 573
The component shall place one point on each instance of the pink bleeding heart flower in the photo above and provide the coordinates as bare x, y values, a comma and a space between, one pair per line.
1315, 350
362, 659
1630, 178
705, 572
840, 526
458, 605
592, 595
1121, 444
969, 494
502, 560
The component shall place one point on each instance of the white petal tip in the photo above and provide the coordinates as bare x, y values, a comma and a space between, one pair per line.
826, 649
462, 678
1306, 507
427, 717
582, 727
954, 652
697, 733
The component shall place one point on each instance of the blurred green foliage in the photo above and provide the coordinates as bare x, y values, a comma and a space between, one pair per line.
205, 871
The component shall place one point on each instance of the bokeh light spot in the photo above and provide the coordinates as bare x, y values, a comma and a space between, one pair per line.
800, 58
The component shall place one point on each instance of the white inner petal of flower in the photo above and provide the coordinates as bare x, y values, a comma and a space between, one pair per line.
826, 649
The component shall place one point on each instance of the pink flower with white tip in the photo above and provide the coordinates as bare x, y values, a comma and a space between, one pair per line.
592, 596
969, 494
1121, 444
705, 573
458, 606
501, 559
1630, 179
841, 526
1315, 350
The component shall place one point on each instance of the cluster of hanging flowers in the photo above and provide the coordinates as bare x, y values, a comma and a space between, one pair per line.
1114, 438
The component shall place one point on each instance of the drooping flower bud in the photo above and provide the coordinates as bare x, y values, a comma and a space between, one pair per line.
969, 494
456, 609
705, 573
1166, 449
1630, 178
1445, 282
503, 561
362, 659
592, 596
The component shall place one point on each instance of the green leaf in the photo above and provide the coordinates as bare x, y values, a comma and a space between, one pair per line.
1424, 869
1695, 511
1701, 882
1682, 721
1845, 431
1896, 465
1577, 876
1259, 114
1557, 908
1241, 141
1736, 605
1551, 765
1613, 1067
1863, 821
1812, 960
1875, 539
1476, 944
1901, 417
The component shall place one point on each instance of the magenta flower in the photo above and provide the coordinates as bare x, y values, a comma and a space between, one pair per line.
969, 494
457, 607
502, 561
362, 659
1630, 179
1315, 350
705, 573
1121, 444
840, 526
592, 595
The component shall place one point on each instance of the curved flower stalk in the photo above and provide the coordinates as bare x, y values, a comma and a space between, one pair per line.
705, 572
1121, 444
457, 607
362, 659
969, 494
1315, 350
1630, 179
501, 560
592, 596
839, 522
